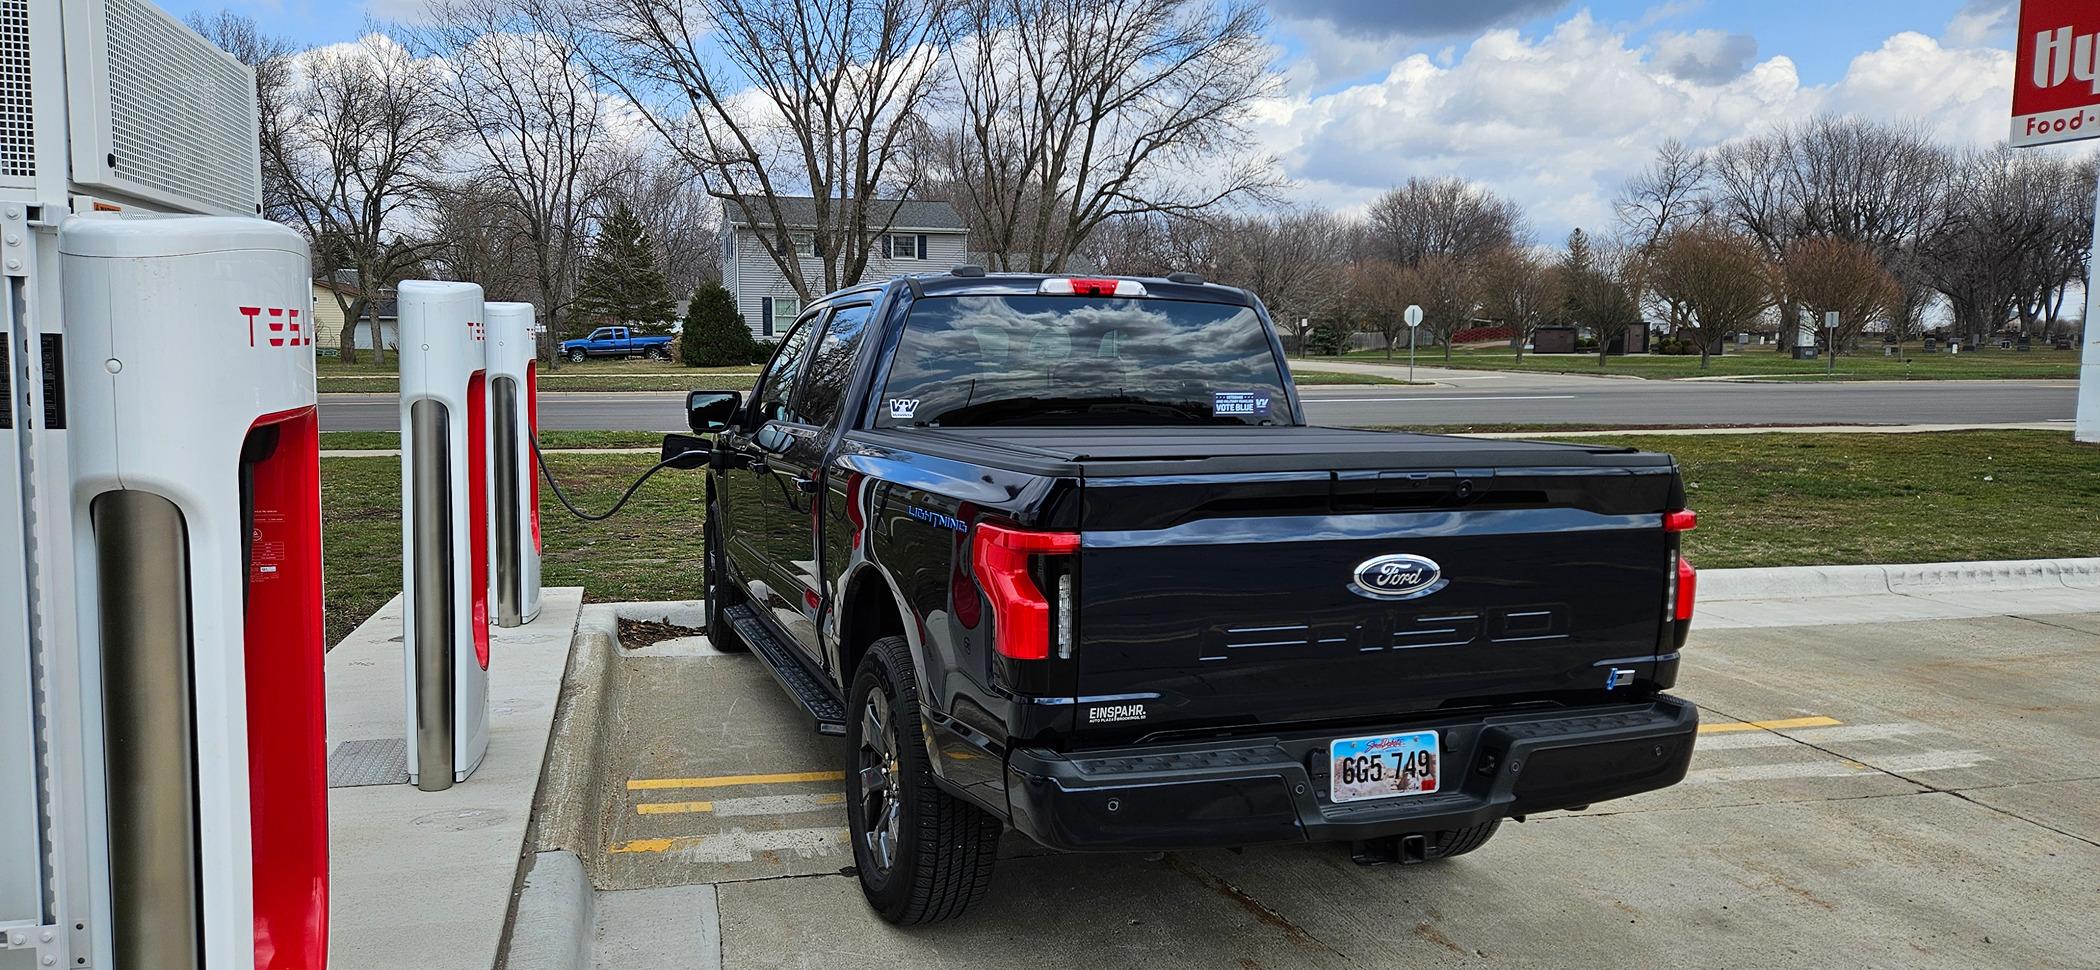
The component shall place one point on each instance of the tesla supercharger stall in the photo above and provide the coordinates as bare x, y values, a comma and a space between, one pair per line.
444, 530
514, 482
196, 498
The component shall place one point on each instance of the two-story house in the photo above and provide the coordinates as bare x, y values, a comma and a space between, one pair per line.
923, 237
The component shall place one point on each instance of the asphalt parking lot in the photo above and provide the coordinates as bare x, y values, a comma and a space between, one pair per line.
1891, 795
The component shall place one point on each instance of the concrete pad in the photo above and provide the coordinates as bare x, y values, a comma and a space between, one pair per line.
2071, 807
692, 732
426, 877
1923, 880
1054, 913
2014, 693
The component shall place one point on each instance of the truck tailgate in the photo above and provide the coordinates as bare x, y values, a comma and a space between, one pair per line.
1234, 599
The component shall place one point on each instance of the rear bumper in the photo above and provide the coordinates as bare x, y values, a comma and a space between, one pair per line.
1274, 789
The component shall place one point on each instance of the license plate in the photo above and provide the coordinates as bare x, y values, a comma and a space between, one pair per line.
1382, 766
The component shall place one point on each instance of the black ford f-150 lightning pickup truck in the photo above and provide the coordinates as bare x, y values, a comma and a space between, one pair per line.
1063, 554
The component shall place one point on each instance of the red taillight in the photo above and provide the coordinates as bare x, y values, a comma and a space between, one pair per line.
1680, 520
1687, 588
1019, 609
1094, 287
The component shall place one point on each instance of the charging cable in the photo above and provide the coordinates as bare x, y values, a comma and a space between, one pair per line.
548, 473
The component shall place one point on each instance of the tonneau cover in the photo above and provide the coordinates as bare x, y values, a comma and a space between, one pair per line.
1154, 450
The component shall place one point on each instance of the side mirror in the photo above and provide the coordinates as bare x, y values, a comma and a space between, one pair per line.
707, 412
686, 451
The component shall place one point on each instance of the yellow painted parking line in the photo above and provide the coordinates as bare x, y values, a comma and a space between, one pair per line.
760, 805
725, 781
1783, 724
673, 808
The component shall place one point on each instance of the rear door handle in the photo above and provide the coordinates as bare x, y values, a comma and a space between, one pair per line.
759, 466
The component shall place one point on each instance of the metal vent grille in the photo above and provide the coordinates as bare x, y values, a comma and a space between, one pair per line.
181, 114
17, 116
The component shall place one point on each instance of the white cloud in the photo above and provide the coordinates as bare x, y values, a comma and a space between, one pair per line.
1558, 122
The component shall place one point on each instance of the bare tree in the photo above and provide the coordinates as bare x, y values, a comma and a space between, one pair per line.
1720, 278
1440, 217
1596, 293
1670, 194
1377, 299
1997, 248
535, 125
1827, 274
769, 100
1448, 290
1293, 261
1522, 291
1074, 113
356, 146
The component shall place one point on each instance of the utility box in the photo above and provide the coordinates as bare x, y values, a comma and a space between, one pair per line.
196, 499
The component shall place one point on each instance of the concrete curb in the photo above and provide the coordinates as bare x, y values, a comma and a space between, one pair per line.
1794, 582
564, 812
556, 915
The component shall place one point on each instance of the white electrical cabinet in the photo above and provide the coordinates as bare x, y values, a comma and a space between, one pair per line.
108, 109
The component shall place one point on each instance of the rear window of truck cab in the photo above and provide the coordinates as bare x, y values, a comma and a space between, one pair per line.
1025, 359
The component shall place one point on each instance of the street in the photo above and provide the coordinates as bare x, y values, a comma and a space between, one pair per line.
1459, 397
1869, 794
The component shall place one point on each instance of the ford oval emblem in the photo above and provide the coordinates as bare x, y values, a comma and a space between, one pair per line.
1397, 577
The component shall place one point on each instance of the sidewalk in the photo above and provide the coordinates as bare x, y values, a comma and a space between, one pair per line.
424, 879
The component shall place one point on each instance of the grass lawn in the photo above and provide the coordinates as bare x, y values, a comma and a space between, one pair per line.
375, 440
1316, 378
651, 550
1871, 366
1763, 500
1803, 499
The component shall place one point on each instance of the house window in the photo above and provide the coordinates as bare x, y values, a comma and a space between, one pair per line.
785, 310
904, 246
805, 246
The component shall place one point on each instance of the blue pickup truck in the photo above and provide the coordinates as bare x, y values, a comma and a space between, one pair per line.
617, 342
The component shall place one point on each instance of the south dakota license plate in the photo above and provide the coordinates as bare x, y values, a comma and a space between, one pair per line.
1382, 766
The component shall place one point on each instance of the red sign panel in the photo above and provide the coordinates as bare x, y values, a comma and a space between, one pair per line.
2056, 74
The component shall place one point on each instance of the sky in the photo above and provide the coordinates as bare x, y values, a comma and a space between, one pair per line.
1552, 104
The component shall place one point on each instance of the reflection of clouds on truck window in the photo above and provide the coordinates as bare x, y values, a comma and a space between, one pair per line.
975, 350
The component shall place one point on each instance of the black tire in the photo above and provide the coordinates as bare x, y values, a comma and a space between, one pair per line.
1461, 841
577, 356
719, 632
660, 353
923, 854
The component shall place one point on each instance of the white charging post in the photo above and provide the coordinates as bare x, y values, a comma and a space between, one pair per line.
514, 481
196, 498
444, 530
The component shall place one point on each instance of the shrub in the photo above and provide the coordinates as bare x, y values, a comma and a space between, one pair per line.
714, 333
761, 350
1328, 338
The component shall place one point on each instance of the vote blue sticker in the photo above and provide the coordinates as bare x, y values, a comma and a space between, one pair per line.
1239, 404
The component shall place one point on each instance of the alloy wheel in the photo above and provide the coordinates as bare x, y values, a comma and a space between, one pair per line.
881, 807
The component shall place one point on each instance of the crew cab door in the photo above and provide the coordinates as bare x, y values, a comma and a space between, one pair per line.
749, 490
798, 445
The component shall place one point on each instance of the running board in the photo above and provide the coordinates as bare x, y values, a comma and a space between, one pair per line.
794, 676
